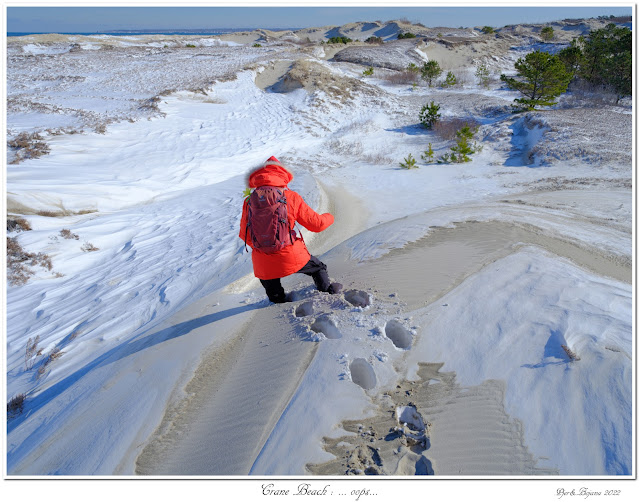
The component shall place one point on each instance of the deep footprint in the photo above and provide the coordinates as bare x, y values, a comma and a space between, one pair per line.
362, 373
305, 309
324, 324
399, 335
358, 298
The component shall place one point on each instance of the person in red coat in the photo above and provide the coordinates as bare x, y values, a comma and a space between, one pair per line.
294, 258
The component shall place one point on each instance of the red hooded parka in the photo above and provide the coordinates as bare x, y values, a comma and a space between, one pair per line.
291, 258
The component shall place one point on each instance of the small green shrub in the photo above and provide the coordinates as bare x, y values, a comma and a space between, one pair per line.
405, 35
374, 40
451, 80
257, 45
488, 30
463, 148
430, 71
547, 33
409, 162
191, 46
339, 40
428, 154
368, 72
429, 115
483, 75
445, 159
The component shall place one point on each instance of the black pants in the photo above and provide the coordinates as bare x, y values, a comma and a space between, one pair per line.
315, 268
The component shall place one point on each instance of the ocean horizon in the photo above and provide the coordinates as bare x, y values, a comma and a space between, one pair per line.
200, 32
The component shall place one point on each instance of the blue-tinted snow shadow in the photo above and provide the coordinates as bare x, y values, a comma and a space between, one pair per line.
122, 351
554, 353
411, 130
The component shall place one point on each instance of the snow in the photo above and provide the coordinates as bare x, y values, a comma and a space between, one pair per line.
160, 199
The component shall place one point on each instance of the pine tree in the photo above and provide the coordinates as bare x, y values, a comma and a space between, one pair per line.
429, 114
541, 78
451, 80
409, 162
430, 71
572, 57
464, 148
607, 58
547, 33
482, 74
427, 156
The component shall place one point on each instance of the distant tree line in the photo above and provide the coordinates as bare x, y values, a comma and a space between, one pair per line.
603, 58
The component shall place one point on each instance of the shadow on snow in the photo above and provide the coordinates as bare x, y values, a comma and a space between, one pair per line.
121, 352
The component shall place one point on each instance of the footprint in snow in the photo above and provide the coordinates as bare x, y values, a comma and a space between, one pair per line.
398, 334
358, 298
362, 373
305, 309
325, 325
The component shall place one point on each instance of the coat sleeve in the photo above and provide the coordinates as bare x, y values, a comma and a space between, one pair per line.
308, 218
243, 234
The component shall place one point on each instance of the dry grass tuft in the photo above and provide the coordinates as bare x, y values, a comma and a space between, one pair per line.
19, 262
344, 147
31, 352
28, 146
67, 234
51, 214
377, 159
59, 214
17, 224
571, 355
88, 247
404, 77
51, 356
15, 405
447, 128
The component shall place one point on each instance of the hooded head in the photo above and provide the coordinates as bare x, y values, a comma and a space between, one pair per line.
272, 173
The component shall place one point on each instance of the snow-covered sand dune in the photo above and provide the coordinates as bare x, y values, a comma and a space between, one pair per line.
486, 321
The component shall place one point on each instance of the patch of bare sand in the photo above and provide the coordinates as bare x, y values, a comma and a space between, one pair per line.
236, 395
466, 429
272, 73
311, 76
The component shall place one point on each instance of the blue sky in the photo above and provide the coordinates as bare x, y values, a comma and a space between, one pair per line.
91, 19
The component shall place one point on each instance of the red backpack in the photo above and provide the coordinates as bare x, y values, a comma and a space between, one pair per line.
267, 220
